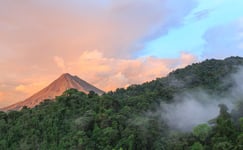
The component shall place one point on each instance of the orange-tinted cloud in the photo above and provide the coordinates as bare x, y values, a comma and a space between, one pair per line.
110, 73
35, 28
106, 73
41, 39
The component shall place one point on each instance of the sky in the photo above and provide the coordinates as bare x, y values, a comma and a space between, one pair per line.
109, 43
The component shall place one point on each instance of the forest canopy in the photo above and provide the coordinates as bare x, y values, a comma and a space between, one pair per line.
133, 118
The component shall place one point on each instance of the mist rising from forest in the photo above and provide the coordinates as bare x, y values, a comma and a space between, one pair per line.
198, 106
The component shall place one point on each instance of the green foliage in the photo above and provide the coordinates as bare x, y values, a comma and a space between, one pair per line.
222, 146
118, 120
202, 131
197, 146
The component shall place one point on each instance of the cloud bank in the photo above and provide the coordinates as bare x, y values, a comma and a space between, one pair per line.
104, 72
96, 40
68, 27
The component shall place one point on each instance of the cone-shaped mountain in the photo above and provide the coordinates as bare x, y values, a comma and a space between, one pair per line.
56, 88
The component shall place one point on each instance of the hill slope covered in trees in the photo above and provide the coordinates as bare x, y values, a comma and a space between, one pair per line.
132, 118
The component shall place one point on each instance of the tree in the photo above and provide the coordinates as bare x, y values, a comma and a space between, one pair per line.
201, 132
224, 125
222, 146
197, 146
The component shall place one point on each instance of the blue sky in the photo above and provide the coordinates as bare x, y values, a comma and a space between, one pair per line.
208, 15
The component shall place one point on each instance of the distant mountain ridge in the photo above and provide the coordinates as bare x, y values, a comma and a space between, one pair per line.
56, 88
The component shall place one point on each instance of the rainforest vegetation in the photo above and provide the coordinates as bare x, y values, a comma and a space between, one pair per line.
119, 120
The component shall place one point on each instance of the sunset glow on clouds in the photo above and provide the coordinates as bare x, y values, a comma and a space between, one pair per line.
109, 43
110, 73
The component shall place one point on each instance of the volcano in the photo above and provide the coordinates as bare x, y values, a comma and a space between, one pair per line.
56, 88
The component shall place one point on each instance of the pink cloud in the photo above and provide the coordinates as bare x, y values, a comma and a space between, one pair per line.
41, 39
104, 72
109, 73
